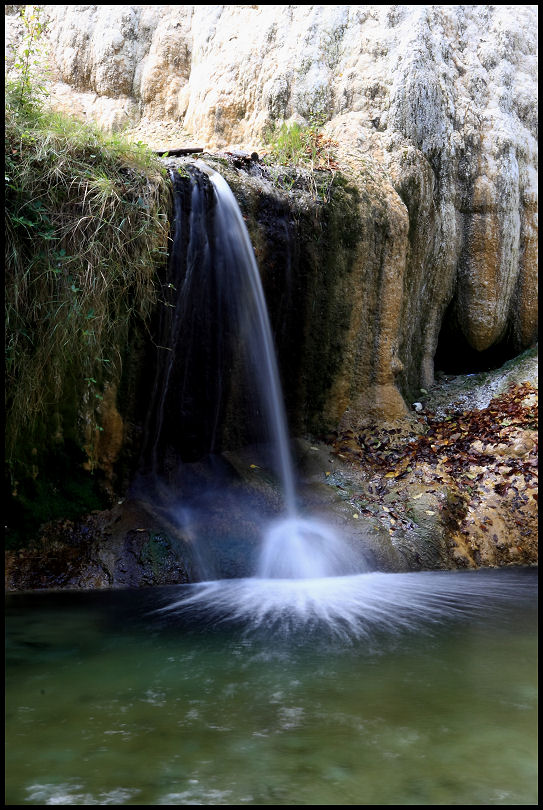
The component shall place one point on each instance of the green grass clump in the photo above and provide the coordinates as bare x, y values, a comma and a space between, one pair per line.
286, 144
86, 225
301, 146
301, 155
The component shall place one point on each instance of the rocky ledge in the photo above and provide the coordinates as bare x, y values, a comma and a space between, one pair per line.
458, 488
454, 486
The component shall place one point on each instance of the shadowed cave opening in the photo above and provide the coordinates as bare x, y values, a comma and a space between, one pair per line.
455, 355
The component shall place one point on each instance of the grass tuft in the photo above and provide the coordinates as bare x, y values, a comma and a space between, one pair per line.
301, 149
302, 146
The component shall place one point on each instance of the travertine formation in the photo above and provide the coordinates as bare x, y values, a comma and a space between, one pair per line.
434, 112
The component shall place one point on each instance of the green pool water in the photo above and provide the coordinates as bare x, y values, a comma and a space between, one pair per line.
110, 703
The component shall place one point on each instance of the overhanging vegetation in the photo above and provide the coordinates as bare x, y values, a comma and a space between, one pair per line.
86, 226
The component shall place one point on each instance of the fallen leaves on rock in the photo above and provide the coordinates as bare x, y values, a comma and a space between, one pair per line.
481, 463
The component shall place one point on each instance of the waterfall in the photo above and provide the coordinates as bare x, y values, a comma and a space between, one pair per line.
215, 334
240, 269
217, 339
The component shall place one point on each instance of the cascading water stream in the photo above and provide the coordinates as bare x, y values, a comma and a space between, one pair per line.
232, 235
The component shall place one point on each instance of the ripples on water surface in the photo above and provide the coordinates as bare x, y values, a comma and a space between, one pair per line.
370, 689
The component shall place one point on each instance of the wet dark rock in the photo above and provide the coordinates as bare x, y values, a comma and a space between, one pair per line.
121, 547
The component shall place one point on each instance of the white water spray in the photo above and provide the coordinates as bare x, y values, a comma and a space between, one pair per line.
302, 548
348, 608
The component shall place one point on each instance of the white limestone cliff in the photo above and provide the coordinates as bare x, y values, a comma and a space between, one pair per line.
434, 110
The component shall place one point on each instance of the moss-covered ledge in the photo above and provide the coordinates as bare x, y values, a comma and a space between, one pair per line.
87, 225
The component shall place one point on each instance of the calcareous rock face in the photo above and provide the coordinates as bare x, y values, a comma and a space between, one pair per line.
434, 112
